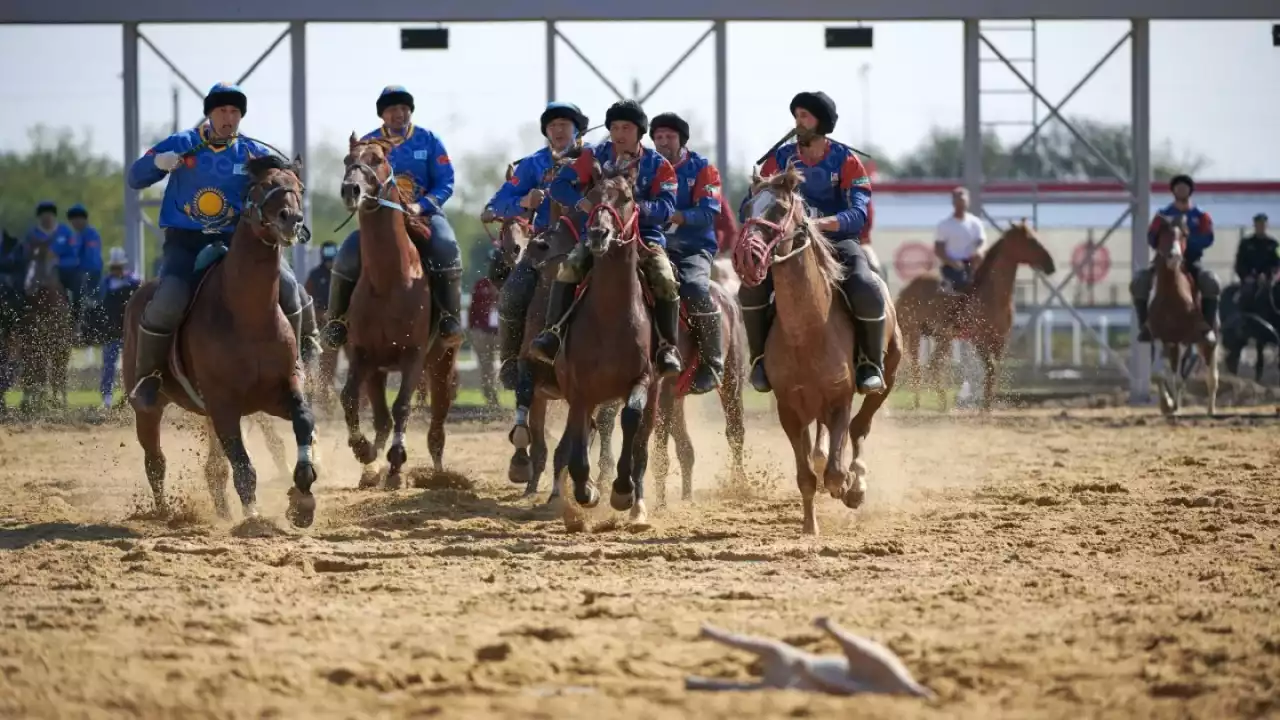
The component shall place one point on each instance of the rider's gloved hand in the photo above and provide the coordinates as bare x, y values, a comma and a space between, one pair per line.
167, 161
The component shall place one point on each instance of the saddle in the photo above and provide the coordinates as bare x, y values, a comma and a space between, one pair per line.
206, 260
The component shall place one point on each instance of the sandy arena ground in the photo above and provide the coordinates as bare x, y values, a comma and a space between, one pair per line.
1046, 564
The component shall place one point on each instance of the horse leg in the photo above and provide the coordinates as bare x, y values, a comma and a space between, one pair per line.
356, 440
226, 424
217, 473
442, 397
625, 486
735, 428
302, 504
991, 366
640, 451
147, 426
684, 449
806, 479
520, 469
275, 443
860, 428
835, 477
935, 375
538, 456
662, 435
575, 440
1210, 353
411, 367
376, 387
559, 470
606, 419
817, 455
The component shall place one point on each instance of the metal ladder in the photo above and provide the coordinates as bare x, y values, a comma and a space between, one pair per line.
996, 31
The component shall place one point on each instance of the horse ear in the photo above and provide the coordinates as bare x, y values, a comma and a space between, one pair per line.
353, 141
297, 162
756, 177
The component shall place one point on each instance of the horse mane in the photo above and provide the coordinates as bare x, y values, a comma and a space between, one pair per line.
262, 164
988, 264
788, 182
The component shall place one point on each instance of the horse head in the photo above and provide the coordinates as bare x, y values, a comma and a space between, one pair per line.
614, 214
1171, 240
42, 267
273, 200
776, 212
367, 174
1021, 245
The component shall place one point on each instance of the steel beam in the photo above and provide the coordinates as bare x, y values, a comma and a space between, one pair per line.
1140, 353
297, 33
973, 174
132, 140
201, 11
551, 61
722, 100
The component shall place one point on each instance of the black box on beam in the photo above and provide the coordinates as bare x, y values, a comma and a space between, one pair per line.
1275, 35
848, 37
424, 38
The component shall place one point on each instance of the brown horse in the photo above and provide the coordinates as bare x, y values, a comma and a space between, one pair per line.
234, 353
536, 384
1175, 319
809, 353
982, 313
45, 330
390, 317
672, 421
606, 353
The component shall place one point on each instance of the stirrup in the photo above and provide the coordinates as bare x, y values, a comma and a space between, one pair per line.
138, 385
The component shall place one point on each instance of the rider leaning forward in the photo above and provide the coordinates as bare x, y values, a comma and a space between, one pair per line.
838, 188
203, 200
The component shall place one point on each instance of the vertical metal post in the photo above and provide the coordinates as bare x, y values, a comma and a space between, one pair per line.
973, 115
132, 138
722, 98
1140, 47
551, 61
298, 109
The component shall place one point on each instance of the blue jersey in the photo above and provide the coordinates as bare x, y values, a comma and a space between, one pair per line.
1198, 222
837, 185
655, 189
63, 242
207, 189
534, 171
698, 199
90, 249
421, 164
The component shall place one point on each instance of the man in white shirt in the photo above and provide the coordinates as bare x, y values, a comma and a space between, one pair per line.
959, 243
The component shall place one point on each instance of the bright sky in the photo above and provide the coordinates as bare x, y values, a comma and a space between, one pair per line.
1213, 83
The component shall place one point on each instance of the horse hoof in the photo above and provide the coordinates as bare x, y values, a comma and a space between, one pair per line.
394, 480
588, 496
369, 478
622, 501
639, 517
520, 473
856, 494
520, 437
397, 456
304, 476
302, 508
363, 450
250, 511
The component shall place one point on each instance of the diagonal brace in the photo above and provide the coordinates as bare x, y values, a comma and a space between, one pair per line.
1101, 342
1053, 113
676, 65
590, 65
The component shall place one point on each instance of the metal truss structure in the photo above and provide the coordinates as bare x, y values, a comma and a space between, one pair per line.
1134, 182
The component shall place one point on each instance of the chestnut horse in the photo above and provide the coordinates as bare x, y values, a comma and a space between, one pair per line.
44, 330
982, 313
809, 353
536, 384
390, 317
1175, 319
672, 421
606, 352
234, 353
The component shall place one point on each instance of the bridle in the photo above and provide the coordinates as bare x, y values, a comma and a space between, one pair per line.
252, 208
753, 253
381, 187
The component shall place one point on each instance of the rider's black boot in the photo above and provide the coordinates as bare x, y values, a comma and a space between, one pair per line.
869, 357
153, 354
666, 315
756, 321
708, 335
547, 344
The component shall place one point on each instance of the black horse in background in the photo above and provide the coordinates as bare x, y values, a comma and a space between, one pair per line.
1250, 314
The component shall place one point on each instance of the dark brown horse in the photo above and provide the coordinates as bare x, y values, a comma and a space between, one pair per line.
672, 421
809, 353
45, 330
390, 317
536, 384
605, 355
1175, 319
234, 353
982, 313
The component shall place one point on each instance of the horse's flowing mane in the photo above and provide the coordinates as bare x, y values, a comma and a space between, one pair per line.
787, 183
988, 264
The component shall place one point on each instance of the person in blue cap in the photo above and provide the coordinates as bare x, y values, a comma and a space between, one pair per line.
62, 241
424, 173
527, 191
90, 243
203, 199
